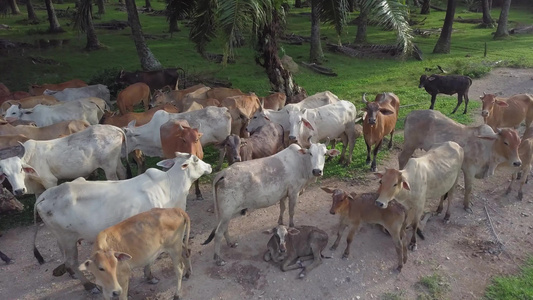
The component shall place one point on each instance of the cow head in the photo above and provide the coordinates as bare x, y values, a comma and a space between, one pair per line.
190, 164
423, 81
372, 109
188, 141
504, 149
281, 232
232, 145
158, 98
392, 181
8, 203
317, 153
488, 101
14, 169
103, 265
301, 130
340, 199
14, 112
260, 118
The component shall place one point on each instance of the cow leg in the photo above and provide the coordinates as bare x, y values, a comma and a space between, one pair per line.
412, 245
351, 144
282, 206
459, 101
197, 188
433, 97
523, 181
398, 244
121, 170
316, 262
349, 239
509, 188
139, 160
176, 256
469, 180
340, 231
466, 103
151, 279
289, 263
6, 259
222, 231
368, 150
373, 167
390, 141
221, 158
450, 198
70, 249
293, 198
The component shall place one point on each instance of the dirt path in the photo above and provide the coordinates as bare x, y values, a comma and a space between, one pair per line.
463, 251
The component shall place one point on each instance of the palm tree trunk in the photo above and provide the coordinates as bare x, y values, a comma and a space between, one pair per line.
120, 1
32, 17
101, 7
443, 44
173, 25
147, 58
487, 19
52, 18
298, 4
316, 53
360, 36
92, 39
425, 7
502, 31
147, 4
14, 7
281, 79
351, 5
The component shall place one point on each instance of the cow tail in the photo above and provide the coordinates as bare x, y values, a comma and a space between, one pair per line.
215, 201
129, 173
36, 252
187, 235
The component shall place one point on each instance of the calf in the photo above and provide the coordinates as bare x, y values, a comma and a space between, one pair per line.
154, 79
241, 109
380, 120
159, 97
137, 242
432, 175
37, 90
274, 101
7, 141
300, 243
71, 94
508, 112
355, 210
141, 118
223, 93
133, 95
30, 102
44, 133
449, 85
525, 151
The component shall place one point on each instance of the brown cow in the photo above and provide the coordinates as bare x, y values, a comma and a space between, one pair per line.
265, 141
37, 90
18, 122
223, 93
525, 150
241, 109
7, 141
133, 95
44, 133
380, 120
30, 102
187, 103
14, 96
137, 242
160, 97
355, 210
507, 112
4, 90
178, 136
274, 101
141, 118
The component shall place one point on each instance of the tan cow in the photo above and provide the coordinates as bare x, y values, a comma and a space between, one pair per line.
190, 104
137, 242
507, 112
241, 109
525, 151
141, 118
30, 102
15, 96
160, 97
274, 101
36, 90
50, 132
7, 141
133, 95
223, 93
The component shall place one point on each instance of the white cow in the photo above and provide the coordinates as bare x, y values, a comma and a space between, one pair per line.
432, 175
264, 116
69, 94
328, 121
81, 209
262, 183
42, 163
87, 109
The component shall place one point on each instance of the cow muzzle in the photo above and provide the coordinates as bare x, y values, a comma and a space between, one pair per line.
20, 192
317, 172
282, 248
292, 138
380, 204
332, 211
517, 163
116, 293
485, 113
236, 159
372, 121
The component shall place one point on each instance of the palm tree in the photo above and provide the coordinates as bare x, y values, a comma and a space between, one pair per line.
487, 19
424, 10
32, 17
84, 23
147, 58
178, 9
52, 18
101, 7
502, 31
316, 53
14, 7
443, 44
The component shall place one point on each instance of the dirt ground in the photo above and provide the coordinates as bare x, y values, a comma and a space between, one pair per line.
464, 252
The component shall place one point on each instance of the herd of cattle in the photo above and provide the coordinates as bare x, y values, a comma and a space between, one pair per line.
275, 149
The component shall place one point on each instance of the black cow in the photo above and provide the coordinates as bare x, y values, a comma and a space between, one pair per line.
154, 79
449, 85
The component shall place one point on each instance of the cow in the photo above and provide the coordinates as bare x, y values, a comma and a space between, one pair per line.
263, 116
81, 209
274, 101
7, 141
159, 97
222, 93
325, 122
40, 164
141, 118
262, 183
379, 121
137, 242
8, 203
213, 122
49, 132
507, 112
37, 90
265, 141
154, 79
355, 210
133, 95
296, 243
178, 136
69, 94
191, 105
432, 175
241, 108
86, 109
484, 149
29, 102
525, 151
449, 85
14, 96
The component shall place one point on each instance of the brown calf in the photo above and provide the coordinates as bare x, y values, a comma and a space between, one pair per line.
141, 118
160, 97
14, 96
274, 101
525, 151
241, 109
223, 93
137, 242
30, 102
355, 210
37, 90
507, 112
44, 133
133, 95
380, 120
178, 136
296, 243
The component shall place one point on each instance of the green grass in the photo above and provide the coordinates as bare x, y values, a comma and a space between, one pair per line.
393, 296
432, 287
513, 287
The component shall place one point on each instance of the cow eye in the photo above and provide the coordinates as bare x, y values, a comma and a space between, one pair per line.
380, 181
395, 184
255, 117
506, 143
101, 269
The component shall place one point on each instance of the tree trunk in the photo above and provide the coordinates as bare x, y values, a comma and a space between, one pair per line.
502, 31
147, 4
425, 7
101, 7
121, 2
360, 37
281, 79
14, 7
443, 44
52, 18
92, 39
173, 25
351, 5
32, 17
316, 53
147, 58
487, 19
298, 4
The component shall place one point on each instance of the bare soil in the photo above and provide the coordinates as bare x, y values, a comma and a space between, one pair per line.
465, 252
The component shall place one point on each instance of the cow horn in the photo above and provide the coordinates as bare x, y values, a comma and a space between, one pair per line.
181, 127
364, 98
327, 141
17, 150
383, 96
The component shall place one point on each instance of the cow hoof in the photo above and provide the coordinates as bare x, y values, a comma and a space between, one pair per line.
154, 280
413, 247
447, 218
333, 248
469, 210
89, 286
234, 245
176, 297
507, 191
60, 270
399, 268
520, 196
373, 169
345, 256
221, 263
199, 198
368, 161
9, 261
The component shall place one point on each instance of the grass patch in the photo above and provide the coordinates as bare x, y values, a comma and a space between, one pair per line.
393, 296
432, 287
513, 287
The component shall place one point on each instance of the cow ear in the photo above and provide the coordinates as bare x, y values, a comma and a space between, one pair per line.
20, 106
386, 111
122, 256
132, 124
85, 265
270, 231
267, 118
303, 151
293, 231
502, 103
352, 196
200, 134
29, 170
333, 152
2, 178
431, 78
405, 185
167, 163
327, 190
307, 124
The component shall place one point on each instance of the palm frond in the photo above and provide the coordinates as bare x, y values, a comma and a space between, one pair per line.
333, 12
83, 13
203, 23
